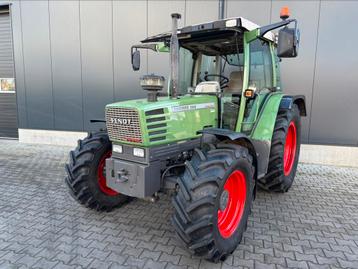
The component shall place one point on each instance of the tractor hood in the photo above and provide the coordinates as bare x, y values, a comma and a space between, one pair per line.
168, 120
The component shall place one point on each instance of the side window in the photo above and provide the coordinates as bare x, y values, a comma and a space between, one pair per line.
260, 76
208, 65
185, 70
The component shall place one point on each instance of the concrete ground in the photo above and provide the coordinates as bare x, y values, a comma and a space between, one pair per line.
314, 225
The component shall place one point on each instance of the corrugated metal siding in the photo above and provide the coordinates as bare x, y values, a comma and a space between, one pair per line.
6, 58
8, 110
8, 119
72, 57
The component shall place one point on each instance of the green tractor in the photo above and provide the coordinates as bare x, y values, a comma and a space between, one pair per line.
222, 128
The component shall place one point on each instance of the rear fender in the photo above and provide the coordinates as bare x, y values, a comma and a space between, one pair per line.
288, 101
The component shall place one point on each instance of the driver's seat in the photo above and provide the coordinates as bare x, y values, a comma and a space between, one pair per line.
235, 82
207, 87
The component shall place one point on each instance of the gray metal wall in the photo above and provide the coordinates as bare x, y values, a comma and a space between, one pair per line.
72, 58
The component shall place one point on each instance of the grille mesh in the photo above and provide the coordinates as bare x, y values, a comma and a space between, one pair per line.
123, 132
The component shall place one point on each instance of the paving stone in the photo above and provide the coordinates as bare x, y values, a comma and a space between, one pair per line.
314, 225
190, 262
135, 252
65, 266
44, 263
150, 264
296, 264
154, 255
100, 264
81, 261
135, 262
174, 259
28, 260
99, 254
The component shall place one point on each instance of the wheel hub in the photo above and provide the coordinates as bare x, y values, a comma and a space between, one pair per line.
101, 175
224, 198
232, 203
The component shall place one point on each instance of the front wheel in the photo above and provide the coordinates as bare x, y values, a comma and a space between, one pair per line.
86, 173
214, 200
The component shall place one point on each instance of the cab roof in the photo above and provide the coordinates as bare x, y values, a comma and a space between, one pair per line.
237, 24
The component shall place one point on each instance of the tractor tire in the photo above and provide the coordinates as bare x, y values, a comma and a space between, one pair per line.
86, 174
214, 199
285, 151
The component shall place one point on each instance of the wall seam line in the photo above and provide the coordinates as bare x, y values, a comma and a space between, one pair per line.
114, 96
81, 65
147, 30
14, 65
185, 12
23, 63
314, 73
51, 65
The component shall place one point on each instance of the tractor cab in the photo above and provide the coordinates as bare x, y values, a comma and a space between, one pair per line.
222, 58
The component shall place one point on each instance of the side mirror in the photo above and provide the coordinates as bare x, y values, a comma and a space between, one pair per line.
136, 60
288, 42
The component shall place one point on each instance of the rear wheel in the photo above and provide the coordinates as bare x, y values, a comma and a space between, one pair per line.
285, 149
214, 200
86, 173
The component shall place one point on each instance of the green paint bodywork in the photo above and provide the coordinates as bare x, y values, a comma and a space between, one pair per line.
184, 117
184, 125
267, 117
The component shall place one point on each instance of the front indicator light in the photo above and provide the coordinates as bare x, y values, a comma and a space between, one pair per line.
138, 152
117, 148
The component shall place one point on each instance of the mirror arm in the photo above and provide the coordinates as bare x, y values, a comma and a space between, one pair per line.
267, 28
152, 47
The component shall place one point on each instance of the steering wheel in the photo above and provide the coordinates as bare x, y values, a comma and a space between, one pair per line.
223, 80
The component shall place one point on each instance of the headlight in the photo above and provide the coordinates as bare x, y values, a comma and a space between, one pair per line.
138, 152
117, 148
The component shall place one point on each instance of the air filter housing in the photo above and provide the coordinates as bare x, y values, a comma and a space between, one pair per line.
153, 84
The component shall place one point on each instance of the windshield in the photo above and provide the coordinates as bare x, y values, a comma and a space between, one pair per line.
206, 58
198, 68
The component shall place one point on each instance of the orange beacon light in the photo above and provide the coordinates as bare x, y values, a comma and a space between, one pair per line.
285, 13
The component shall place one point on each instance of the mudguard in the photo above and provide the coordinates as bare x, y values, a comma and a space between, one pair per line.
259, 141
288, 100
223, 134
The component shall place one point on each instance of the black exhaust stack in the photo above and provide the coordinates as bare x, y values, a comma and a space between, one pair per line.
174, 56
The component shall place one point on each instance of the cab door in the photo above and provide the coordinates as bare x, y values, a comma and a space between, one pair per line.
261, 80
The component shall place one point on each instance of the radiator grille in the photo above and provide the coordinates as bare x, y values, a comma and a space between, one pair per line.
123, 124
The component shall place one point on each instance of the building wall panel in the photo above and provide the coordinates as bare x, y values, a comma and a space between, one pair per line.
58, 80
97, 59
66, 64
335, 96
127, 31
37, 64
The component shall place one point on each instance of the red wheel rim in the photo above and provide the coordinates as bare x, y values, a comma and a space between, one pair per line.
290, 149
102, 177
229, 217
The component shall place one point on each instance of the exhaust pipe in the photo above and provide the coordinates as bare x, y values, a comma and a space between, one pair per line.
174, 56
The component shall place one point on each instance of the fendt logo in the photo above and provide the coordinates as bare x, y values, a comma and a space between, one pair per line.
120, 121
